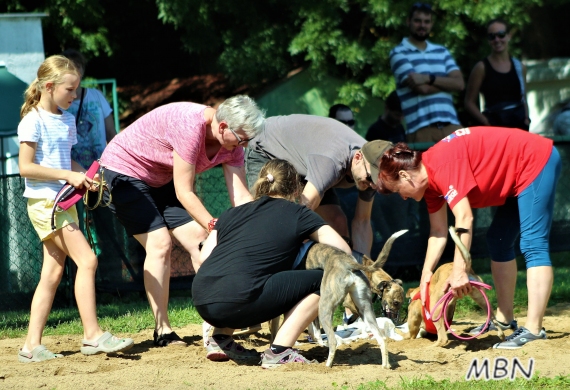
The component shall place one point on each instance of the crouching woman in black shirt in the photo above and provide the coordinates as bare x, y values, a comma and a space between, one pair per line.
246, 275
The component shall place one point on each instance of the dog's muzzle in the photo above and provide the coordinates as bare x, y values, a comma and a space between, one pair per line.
395, 316
392, 314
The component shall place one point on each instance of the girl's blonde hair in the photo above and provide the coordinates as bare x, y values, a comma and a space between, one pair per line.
277, 178
52, 69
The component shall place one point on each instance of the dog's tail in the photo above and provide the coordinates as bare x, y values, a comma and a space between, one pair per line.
383, 256
455, 233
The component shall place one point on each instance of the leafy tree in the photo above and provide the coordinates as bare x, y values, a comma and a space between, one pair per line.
350, 39
78, 23
255, 42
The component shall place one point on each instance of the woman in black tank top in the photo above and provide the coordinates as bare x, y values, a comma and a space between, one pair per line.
496, 77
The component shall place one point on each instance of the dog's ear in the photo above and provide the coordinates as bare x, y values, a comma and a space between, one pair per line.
398, 281
382, 285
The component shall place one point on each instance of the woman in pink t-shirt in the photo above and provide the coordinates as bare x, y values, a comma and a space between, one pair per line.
482, 167
150, 169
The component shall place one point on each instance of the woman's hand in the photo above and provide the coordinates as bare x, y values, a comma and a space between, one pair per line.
458, 281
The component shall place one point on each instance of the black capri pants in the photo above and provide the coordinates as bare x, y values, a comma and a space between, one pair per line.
281, 293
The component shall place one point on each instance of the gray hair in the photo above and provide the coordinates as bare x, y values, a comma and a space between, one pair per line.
241, 112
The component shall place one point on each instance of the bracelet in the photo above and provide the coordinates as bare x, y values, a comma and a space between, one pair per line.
431, 79
211, 224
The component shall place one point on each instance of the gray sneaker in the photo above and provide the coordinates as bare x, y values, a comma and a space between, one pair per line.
491, 327
520, 337
273, 360
228, 349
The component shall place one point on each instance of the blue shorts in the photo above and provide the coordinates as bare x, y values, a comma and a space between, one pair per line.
530, 215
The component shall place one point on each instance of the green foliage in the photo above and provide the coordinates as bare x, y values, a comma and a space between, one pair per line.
73, 23
253, 42
247, 40
347, 39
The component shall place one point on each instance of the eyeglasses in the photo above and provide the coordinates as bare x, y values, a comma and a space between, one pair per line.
240, 140
368, 175
349, 122
499, 34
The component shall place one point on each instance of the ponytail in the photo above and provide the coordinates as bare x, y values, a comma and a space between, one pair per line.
31, 98
52, 69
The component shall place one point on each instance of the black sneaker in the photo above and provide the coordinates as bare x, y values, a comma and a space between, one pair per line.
520, 337
491, 326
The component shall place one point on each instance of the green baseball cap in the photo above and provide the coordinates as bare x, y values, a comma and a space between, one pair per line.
372, 152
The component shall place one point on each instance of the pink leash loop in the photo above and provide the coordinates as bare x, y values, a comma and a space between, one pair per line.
446, 299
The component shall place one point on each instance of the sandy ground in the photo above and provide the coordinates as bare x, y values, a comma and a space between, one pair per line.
359, 362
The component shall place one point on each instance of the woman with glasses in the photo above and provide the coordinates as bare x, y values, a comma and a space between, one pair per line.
501, 80
150, 169
481, 167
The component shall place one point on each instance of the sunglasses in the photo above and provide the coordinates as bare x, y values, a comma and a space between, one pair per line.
500, 35
240, 140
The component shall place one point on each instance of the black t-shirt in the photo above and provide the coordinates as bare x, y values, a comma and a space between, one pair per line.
382, 130
255, 241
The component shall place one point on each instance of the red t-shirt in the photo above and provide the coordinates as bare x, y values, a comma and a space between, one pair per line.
486, 164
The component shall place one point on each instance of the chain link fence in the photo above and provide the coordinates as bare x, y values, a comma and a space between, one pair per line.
121, 258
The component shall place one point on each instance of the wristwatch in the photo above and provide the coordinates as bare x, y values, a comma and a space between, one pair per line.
431, 79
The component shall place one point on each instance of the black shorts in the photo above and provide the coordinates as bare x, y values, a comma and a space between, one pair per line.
141, 208
281, 293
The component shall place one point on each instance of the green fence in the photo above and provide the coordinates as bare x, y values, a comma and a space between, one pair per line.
121, 258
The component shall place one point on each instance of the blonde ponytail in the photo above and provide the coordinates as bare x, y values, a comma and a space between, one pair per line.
52, 69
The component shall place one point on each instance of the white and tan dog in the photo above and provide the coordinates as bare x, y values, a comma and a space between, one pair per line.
344, 279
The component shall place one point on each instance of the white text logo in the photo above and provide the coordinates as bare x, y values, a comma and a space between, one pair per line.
452, 193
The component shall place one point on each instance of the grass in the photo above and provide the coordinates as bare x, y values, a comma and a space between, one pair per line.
131, 314
536, 382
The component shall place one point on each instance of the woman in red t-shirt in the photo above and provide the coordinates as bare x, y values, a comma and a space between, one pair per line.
482, 167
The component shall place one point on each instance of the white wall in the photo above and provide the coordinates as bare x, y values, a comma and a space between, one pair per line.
21, 44
548, 85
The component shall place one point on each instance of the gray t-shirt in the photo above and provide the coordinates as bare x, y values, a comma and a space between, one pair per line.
320, 148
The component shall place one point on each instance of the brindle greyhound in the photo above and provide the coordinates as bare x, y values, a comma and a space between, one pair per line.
345, 279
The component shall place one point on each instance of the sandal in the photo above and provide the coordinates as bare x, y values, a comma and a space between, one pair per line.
228, 349
106, 343
38, 354
168, 339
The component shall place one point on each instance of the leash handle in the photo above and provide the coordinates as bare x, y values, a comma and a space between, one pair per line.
446, 299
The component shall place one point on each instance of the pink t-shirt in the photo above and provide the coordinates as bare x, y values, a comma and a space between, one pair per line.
486, 164
144, 149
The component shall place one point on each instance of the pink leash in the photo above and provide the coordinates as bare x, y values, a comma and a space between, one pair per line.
446, 299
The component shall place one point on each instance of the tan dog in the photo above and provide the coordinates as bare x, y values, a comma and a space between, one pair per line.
343, 276
437, 283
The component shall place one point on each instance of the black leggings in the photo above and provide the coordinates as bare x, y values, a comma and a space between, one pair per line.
280, 294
